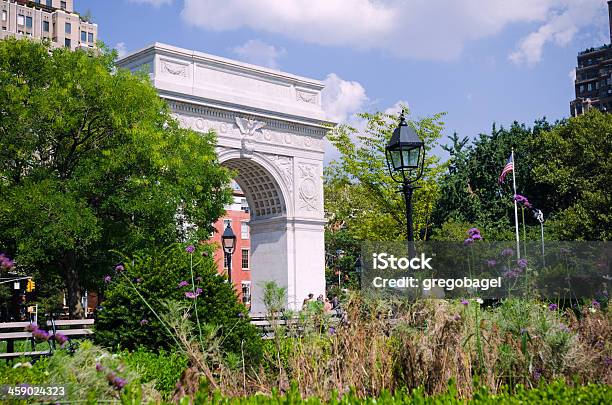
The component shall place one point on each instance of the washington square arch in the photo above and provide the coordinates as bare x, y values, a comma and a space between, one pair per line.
270, 130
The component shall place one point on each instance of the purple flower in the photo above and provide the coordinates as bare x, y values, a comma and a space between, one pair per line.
240, 315
199, 279
332, 330
40, 335
143, 322
119, 268
473, 231
119, 382
205, 254
522, 263
510, 274
595, 304
477, 236
522, 200
60, 338
31, 327
564, 328
99, 367
198, 291
183, 284
457, 317
107, 279
491, 263
553, 307
7, 263
464, 302
537, 374
191, 295
507, 252
468, 241
190, 249
608, 361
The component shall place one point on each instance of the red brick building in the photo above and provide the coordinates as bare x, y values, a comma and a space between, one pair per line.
238, 216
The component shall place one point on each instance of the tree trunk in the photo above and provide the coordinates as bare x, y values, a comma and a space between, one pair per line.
73, 286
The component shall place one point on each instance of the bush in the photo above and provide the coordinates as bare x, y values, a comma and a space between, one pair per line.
126, 321
163, 368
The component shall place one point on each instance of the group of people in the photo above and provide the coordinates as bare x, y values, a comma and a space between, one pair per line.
327, 304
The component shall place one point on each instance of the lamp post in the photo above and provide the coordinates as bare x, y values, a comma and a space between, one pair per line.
228, 240
405, 155
539, 215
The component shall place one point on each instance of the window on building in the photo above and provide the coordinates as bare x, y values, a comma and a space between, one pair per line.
83, 36
244, 205
581, 90
49, 3
589, 86
28, 22
4, 16
68, 28
90, 37
245, 259
67, 43
45, 26
63, 5
246, 292
20, 19
244, 230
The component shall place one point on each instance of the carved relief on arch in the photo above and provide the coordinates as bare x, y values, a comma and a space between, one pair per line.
174, 69
285, 167
309, 188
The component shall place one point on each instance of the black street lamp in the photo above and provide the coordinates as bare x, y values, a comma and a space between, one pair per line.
405, 155
228, 240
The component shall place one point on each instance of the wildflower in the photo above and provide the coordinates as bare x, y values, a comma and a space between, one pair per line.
198, 291
564, 328
240, 315
107, 279
457, 317
60, 338
479, 300
144, 322
507, 252
183, 284
190, 249
473, 231
522, 200
537, 374
464, 302
553, 307
40, 335
608, 361
595, 304
7, 263
477, 236
491, 263
138, 280
332, 330
199, 279
191, 295
468, 241
522, 263
119, 268
99, 367
592, 310
31, 327
205, 254
119, 382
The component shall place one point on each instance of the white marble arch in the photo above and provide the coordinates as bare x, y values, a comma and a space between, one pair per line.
270, 129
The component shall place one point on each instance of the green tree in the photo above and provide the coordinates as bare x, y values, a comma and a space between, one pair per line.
91, 160
361, 196
573, 168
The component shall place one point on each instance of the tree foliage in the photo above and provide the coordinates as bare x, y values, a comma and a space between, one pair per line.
91, 160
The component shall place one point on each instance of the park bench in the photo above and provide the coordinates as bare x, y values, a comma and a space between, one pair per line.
15, 331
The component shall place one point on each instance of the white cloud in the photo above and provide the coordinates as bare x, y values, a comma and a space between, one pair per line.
422, 29
559, 29
121, 49
397, 107
572, 75
260, 53
154, 3
341, 98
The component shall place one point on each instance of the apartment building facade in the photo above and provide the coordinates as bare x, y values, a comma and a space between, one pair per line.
593, 84
237, 215
52, 20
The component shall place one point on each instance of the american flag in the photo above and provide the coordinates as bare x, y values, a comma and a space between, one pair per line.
507, 169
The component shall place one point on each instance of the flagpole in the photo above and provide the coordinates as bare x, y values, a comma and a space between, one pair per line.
516, 225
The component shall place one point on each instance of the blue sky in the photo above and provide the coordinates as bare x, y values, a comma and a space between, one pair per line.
480, 61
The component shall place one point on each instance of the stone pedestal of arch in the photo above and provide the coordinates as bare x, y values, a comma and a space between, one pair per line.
270, 130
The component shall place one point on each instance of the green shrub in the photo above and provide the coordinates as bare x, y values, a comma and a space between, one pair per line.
163, 368
126, 321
